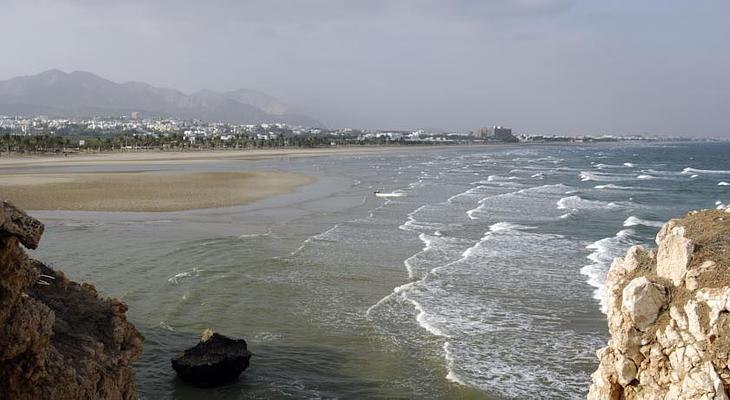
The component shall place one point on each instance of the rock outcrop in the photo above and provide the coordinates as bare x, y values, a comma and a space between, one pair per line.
58, 339
669, 315
215, 361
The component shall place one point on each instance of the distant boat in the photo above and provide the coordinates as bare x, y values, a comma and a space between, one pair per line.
391, 194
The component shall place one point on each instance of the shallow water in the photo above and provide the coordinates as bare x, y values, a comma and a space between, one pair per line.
482, 280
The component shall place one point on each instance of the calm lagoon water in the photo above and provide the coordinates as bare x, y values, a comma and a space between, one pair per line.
480, 277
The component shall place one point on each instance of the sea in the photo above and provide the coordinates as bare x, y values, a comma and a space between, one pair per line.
473, 273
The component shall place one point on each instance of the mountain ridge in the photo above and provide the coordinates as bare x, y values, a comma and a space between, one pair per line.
85, 94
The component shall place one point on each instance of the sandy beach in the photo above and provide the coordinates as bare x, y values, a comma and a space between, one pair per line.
144, 191
160, 157
28, 181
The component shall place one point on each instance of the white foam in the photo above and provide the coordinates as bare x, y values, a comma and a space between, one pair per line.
496, 178
688, 171
587, 176
252, 235
451, 375
391, 194
630, 165
414, 225
578, 203
409, 262
322, 236
175, 279
602, 177
425, 321
165, 326
615, 187
603, 253
606, 166
634, 221
723, 183
503, 226
645, 176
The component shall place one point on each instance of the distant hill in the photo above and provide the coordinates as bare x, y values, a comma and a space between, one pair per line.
82, 94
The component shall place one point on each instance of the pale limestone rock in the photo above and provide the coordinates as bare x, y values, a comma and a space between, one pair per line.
682, 355
717, 299
642, 301
702, 383
693, 311
631, 261
678, 317
625, 369
690, 279
665, 230
674, 255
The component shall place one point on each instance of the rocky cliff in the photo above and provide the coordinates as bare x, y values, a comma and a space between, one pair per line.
58, 339
669, 315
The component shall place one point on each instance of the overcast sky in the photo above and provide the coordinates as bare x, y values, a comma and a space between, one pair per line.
539, 66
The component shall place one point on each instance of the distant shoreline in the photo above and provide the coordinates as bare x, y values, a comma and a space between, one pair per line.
165, 157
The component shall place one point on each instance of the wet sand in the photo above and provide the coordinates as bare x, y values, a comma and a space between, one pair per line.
189, 157
144, 191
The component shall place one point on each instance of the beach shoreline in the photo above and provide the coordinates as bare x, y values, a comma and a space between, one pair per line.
184, 157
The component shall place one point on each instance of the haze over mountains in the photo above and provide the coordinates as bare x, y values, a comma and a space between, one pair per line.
83, 94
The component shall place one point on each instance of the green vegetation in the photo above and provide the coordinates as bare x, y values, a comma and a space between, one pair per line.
47, 143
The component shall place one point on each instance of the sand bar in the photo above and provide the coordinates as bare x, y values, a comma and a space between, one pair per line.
144, 191
189, 157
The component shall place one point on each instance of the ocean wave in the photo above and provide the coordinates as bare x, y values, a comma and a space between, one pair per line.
253, 235
616, 187
609, 166
497, 178
586, 176
437, 250
657, 172
466, 321
634, 221
503, 226
645, 176
321, 236
414, 225
578, 203
602, 255
688, 171
469, 192
723, 183
194, 273
554, 189
165, 326
566, 215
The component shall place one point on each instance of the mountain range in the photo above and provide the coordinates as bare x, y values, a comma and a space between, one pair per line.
83, 94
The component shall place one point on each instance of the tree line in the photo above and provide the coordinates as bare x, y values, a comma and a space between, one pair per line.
42, 144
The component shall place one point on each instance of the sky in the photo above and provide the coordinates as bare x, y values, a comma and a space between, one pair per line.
538, 66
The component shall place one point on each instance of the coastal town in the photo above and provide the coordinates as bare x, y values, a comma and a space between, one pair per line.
42, 134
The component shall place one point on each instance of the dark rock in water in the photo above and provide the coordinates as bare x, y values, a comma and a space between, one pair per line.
214, 361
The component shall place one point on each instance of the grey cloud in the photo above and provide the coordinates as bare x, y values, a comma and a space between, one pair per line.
537, 65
